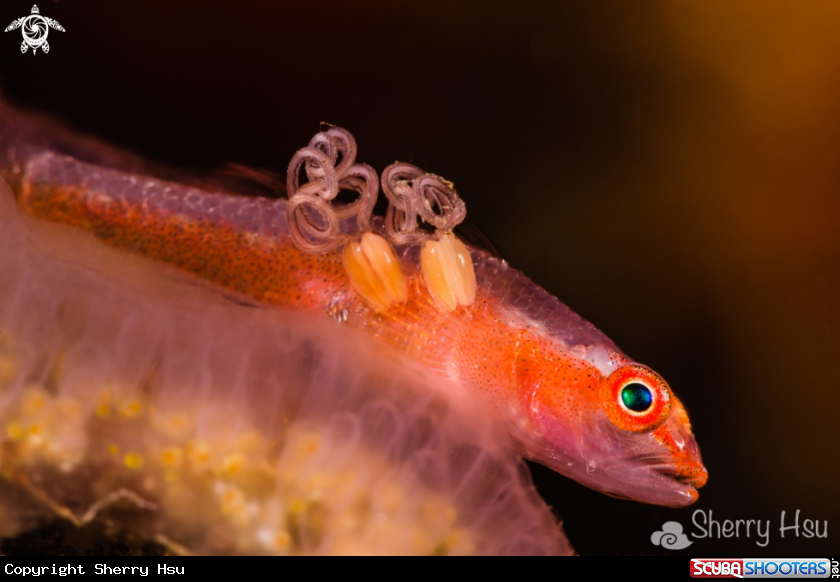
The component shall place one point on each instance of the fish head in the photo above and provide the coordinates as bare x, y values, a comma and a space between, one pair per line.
624, 433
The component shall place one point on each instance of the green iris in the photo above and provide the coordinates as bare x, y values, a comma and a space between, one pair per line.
636, 397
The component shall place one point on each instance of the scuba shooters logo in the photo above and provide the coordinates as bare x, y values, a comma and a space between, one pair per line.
763, 568
35, 29
671, 537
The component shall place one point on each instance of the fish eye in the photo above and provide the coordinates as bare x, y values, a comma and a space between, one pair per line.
636, 399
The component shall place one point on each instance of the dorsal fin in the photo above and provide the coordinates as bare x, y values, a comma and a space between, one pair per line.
242, 180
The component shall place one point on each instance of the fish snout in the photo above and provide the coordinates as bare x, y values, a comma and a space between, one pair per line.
689, 465
686, 464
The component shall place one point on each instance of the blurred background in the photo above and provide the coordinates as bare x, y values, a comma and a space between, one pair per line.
670, 170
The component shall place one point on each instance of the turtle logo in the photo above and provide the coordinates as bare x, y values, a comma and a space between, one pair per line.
35, 29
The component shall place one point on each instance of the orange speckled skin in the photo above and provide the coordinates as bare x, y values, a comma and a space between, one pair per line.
273, 271
265, 270
548, 389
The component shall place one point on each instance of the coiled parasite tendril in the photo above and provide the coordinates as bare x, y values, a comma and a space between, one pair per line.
412, 193
445, 260
313, 222
401, 217
369, 259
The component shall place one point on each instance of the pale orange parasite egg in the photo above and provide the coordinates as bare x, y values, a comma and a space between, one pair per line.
375, 271
448, 271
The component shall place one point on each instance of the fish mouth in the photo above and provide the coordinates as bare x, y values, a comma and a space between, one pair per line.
694, 474
669, 470
678, 460
653, 480
687, 479
697, 480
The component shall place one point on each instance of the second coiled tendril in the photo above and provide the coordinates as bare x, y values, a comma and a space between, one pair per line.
413, 193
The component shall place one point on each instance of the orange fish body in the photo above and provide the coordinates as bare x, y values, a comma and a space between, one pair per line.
570, 398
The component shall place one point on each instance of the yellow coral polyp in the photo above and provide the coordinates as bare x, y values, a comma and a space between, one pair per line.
172, 457
448, 270
292, 519
131, 409
297, 506
103, 409
133, 461
15, 431
306, 505
375, 272
232, 464
282, 540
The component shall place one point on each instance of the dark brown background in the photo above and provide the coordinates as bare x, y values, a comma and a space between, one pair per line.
668, 169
